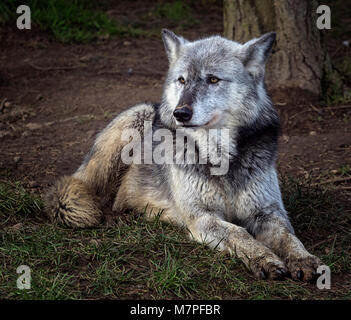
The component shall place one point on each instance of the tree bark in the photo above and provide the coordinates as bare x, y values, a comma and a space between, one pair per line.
298, 57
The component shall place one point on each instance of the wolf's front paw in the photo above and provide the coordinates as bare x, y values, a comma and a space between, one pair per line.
303, 268
269, 267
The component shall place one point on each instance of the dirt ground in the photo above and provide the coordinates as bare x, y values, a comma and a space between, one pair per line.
58, 97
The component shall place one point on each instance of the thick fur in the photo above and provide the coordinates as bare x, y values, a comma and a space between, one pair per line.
240, 212
72, 203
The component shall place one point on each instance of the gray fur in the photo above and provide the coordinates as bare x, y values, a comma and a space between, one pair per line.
240, 212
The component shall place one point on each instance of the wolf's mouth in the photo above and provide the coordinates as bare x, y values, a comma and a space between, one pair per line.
211, 122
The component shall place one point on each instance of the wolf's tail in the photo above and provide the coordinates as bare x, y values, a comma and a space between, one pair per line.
74, 200
72, 203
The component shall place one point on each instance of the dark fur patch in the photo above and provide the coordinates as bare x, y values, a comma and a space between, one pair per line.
260, 139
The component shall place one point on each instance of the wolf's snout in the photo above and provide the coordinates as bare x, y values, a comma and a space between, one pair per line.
183, 113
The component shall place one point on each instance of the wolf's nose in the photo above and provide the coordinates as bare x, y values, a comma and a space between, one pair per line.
183, 114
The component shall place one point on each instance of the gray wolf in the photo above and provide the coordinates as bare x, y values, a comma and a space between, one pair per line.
212, 83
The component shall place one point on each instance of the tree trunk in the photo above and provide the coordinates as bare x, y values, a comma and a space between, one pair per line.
298, 58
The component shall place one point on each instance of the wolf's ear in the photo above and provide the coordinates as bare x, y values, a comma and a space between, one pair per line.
172, 44
255, 53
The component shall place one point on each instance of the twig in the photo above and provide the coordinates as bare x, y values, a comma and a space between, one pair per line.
79, 117
343, 188
55, 68
146, 73
320, 110
296, 114
320, 242
2, 104
338, 107
331, 181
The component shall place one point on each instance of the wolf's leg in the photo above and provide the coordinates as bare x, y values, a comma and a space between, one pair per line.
71, 200
261, 211
275, 231
237, 241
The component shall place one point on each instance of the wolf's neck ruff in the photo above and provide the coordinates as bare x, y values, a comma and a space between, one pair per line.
186, 146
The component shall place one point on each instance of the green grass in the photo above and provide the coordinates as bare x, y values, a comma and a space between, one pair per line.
334, 91
16, 202
129, 261
175, 11
322, 221
171, 14
139, 259
337, 82
68, 20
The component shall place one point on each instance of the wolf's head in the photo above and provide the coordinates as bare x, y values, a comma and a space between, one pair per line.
214, 82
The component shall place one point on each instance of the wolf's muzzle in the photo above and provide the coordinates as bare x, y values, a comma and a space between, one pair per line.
183, 113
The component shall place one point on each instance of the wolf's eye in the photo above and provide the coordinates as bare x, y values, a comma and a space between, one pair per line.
181, 80
213, 79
